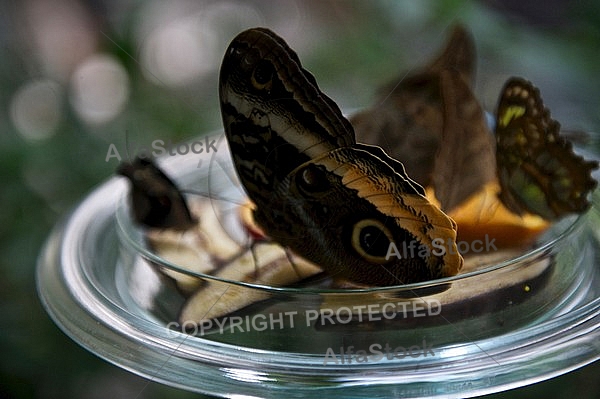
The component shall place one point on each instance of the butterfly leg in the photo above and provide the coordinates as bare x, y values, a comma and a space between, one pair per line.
289, 256
254, 257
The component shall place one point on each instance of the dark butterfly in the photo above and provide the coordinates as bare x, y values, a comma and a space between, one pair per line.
155, 199
538, 171
337, 203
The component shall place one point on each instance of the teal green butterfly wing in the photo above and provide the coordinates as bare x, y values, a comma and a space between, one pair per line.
538, 171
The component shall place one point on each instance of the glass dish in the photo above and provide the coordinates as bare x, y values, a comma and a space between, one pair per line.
508, 324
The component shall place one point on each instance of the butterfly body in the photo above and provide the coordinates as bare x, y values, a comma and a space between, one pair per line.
335, 202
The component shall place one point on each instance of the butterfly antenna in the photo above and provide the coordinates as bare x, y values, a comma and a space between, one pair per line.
212, 196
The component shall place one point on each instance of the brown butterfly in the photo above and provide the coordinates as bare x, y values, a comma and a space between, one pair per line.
336, 203
538, 171
431, 120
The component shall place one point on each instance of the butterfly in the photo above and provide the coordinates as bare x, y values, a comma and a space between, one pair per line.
155, 199
538, 171
431, 120
338, 203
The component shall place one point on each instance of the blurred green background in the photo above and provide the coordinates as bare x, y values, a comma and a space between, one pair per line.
77, 76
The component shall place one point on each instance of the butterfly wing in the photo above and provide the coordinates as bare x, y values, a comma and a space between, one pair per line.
408, 118
348, 207
274, 114
538, 171
336, 203
155, 199
466, 141
458, 55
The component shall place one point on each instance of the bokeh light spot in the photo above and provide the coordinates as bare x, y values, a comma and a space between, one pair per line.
35, 109
99, 89
177, 53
